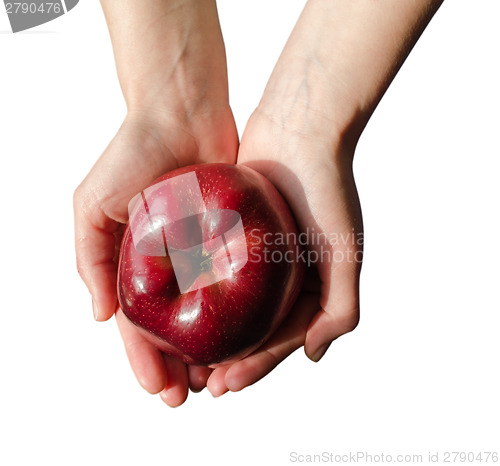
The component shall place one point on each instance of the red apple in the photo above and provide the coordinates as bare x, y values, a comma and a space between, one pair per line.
209, 263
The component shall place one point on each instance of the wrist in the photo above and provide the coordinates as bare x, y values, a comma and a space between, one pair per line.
307, 111
169, 55
339, 61
211, 135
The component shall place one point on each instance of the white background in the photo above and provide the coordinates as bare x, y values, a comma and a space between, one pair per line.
421, 372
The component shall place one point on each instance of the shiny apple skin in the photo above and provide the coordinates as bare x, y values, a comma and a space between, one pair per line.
227, 320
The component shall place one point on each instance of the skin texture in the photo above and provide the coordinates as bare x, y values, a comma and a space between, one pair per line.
334, 69
226, 320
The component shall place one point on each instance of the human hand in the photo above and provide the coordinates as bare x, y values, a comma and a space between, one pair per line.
335, 68
178, 114
314, 175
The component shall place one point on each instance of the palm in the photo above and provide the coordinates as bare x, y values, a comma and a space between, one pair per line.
323, 197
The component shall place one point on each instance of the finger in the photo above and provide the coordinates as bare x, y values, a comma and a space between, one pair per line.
145, 359
95, 242
339, 313
216, 384
290, 336
198, 376
176, 390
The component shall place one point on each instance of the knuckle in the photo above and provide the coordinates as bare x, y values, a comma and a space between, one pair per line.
79, 267
82, 198
77, 196
349, 321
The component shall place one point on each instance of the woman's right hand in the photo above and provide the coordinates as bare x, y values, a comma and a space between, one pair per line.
172, 68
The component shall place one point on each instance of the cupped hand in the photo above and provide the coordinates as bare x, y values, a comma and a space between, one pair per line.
335, 68
149, 143
312, 167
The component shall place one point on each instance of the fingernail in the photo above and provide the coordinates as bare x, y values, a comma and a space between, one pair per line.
319, 353
95, 309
